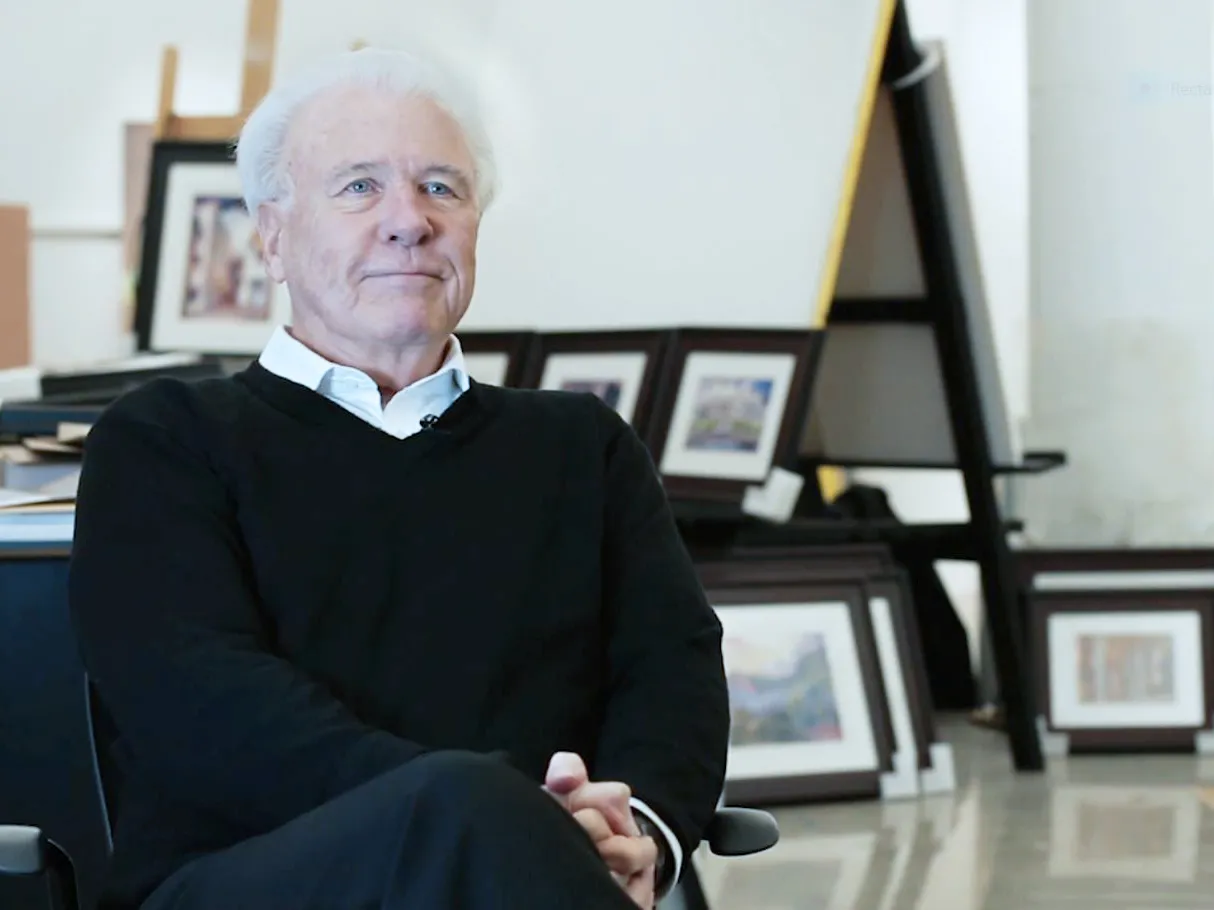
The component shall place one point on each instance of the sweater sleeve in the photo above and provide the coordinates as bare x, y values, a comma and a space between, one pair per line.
667, 721
174, 641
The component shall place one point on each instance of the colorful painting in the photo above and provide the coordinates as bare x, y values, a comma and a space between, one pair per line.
729, 414
226, 278
1121, 669
781, 694
608, 390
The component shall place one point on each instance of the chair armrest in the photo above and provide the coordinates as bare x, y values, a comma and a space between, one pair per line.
25, 850
735, 831
22, 850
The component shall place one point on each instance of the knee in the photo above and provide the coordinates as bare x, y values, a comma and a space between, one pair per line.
454, 775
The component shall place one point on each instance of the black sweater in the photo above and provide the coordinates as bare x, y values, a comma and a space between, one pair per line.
277, 601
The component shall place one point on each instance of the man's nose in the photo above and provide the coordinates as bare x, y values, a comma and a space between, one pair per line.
404, 220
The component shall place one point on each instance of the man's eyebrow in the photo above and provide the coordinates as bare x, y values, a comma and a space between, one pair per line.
349, 168
447, 170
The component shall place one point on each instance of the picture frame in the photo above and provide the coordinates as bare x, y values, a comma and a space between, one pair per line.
498, 358
895, 629
621, 367
1142, 834
202, 284
730, 408
1123, 670
815, 635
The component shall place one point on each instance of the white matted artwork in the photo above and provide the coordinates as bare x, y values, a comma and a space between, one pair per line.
728, 414
487, 367
896, 695
212, 291
798, 703
1126, 669
1118, 832
614, 376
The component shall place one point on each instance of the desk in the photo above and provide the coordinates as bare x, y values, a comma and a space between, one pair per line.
46, 769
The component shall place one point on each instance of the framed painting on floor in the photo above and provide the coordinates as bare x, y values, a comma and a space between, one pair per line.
809, 719
886, 591
1124, 670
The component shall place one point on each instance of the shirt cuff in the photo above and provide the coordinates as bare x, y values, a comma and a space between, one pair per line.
672, 842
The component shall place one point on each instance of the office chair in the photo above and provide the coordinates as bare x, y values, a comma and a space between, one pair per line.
27, 851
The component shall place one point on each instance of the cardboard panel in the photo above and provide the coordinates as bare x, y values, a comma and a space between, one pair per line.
15, 347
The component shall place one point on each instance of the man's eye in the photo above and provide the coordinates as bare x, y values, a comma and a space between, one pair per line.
358, 187
435, 188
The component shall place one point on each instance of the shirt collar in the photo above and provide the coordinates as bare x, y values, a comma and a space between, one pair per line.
288, 357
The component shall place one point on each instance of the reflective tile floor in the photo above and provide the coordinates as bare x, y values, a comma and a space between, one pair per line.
1090, 833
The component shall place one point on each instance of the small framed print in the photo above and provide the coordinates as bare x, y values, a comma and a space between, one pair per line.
497, 358
732, 405
808, 713
202, 284
1144, 834
621, 368
895, 630
1124, 669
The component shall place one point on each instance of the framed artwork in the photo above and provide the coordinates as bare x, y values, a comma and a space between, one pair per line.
731, 408
1124, 669
890, 613
1145, 834
1097, 568
497, 358
622, 368
202, 283
808, 713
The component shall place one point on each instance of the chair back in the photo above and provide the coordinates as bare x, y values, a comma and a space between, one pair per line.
103, 734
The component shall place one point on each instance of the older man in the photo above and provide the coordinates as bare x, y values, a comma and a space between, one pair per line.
373, 634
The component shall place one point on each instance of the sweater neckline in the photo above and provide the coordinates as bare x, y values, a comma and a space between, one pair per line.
311, 407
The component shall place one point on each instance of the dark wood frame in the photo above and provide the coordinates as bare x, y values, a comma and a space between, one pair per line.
165, 156
804, 344
519, 348
1043, 604
793, 788
874, 569
654, 344
1033, 561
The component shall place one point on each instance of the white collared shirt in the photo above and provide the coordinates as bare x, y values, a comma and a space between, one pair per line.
287, 357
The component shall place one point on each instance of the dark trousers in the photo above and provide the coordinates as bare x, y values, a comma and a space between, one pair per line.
448, 831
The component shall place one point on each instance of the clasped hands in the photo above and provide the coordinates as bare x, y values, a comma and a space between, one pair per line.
603, 809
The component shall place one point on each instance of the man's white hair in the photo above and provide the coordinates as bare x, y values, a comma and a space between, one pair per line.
259, 151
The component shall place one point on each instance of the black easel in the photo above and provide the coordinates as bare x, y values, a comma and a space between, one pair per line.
944, 308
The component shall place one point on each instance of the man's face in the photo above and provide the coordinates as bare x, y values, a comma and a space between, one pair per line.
377, 242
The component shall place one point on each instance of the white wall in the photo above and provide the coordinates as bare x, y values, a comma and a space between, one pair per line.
673, 161
65, 94
664, 161
1123, 280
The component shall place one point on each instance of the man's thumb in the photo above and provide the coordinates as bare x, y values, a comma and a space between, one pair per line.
566, 772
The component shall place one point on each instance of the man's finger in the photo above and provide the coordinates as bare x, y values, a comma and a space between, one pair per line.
594, 824
640, 888
566, 772
611, 799
628, 855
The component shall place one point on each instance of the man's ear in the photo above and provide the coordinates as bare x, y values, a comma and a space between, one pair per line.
270, 223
